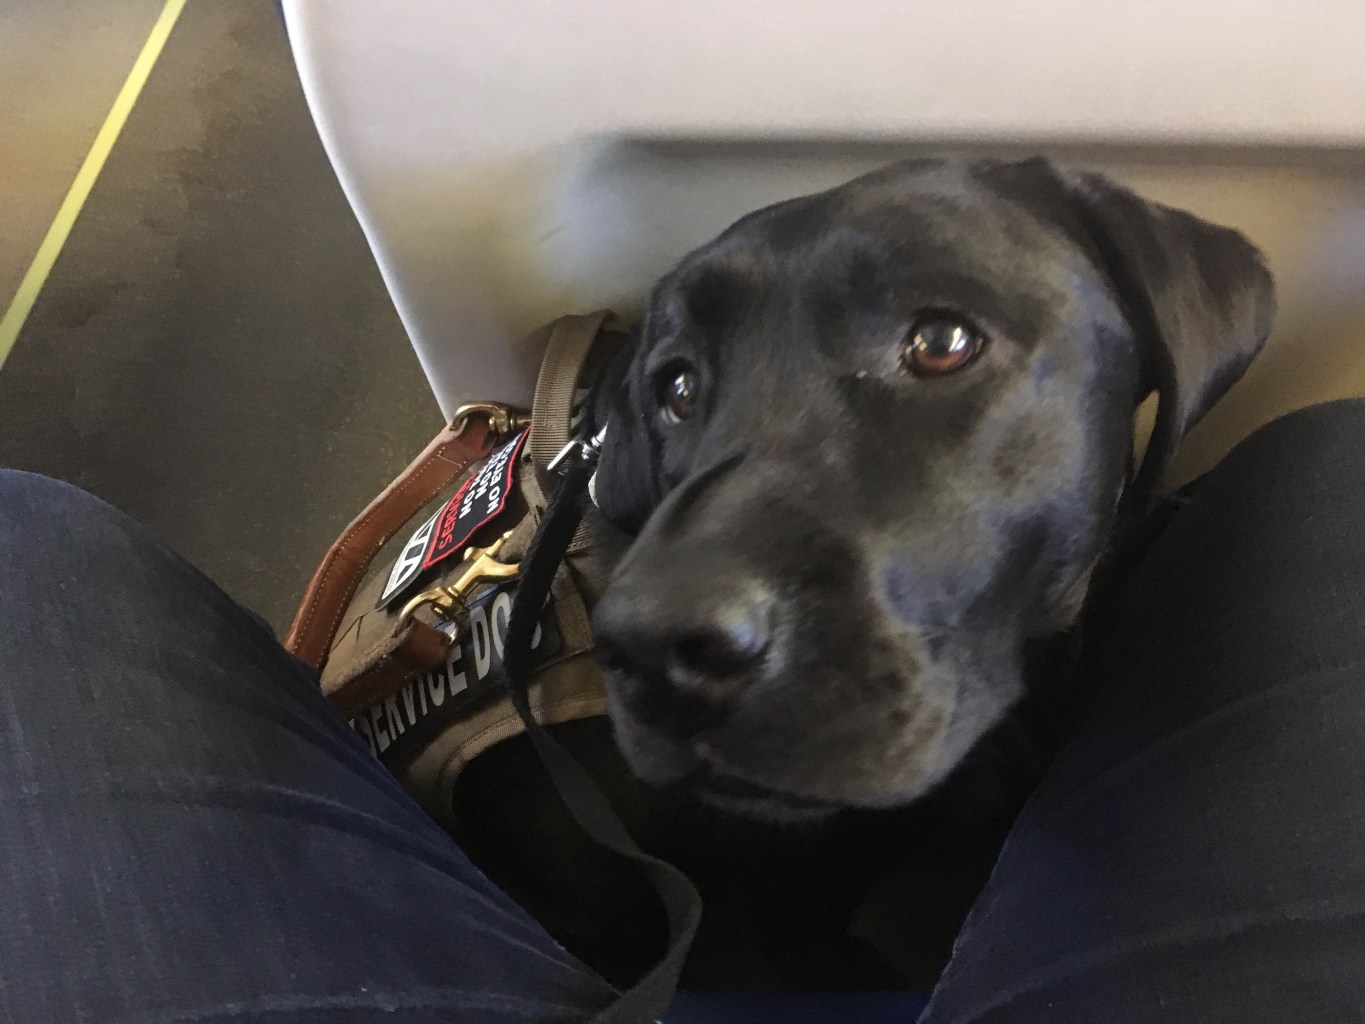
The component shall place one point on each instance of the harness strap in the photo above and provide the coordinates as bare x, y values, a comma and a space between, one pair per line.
650, 996
571, 339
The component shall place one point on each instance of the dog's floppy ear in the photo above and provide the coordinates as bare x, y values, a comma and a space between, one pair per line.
626, 487
1198, 297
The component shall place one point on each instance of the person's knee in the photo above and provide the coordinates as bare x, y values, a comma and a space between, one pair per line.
1301, 441
30, 502
76, 567
58, 542
48, 525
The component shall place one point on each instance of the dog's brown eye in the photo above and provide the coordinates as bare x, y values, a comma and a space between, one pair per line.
940, 344
677, 393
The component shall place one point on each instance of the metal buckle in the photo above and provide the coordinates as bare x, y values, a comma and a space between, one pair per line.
449, 602
587, 451
502, 419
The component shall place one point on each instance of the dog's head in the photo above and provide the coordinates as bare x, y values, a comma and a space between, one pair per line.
873, 442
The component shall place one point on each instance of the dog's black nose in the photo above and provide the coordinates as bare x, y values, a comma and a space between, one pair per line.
725, 644
705, 642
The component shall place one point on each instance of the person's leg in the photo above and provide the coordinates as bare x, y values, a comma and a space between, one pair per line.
188, 832
1198, 852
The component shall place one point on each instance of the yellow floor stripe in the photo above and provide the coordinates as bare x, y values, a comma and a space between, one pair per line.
36, 275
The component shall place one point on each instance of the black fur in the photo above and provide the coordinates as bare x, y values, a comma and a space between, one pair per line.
920, 550
908, 538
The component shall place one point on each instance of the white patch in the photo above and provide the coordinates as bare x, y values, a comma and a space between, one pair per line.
409, 563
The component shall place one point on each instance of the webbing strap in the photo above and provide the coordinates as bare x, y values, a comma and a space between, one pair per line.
571, 339
649, 997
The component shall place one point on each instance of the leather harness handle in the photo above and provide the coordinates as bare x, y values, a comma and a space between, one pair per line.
329, 592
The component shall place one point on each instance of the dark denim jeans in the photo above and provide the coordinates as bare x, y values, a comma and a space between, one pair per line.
187, 832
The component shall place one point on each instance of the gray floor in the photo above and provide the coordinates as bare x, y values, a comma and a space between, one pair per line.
214, 352
61, 65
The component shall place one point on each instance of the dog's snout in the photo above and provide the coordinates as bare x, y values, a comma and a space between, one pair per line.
729, 639
704, 643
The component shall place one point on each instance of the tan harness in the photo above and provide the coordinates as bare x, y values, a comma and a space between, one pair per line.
417, 676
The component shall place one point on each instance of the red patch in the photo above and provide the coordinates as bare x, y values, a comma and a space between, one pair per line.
478, 502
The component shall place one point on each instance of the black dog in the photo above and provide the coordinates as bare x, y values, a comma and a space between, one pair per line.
874, 442
872, 445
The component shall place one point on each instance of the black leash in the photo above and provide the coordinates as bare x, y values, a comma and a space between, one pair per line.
651, 995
